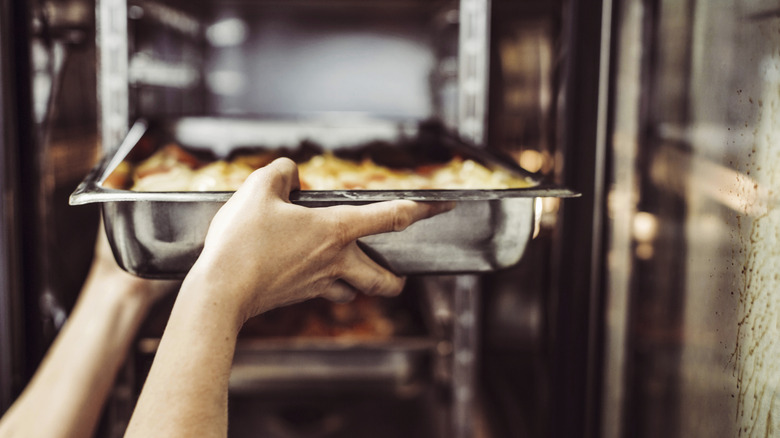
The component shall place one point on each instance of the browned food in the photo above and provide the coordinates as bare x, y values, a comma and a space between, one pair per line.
173, 169
365, 317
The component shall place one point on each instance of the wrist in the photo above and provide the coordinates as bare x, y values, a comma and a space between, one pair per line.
208, 293
114, 289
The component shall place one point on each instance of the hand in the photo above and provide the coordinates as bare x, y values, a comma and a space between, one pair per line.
77, 373
106, 277
263, 252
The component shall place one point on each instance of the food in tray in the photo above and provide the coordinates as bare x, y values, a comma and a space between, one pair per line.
174, 169
366, 317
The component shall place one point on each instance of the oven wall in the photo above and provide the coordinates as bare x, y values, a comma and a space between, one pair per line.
11, 305
48, 143
693, 243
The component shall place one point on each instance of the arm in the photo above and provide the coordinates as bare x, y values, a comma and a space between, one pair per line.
261, 252
66, 395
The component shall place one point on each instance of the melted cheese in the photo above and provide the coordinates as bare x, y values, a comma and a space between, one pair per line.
170, 169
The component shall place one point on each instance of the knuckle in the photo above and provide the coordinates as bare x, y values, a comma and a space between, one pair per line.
385, 283
285, 167
259, 179
376, 286
401, 217
285, 164
273, 177
335, 269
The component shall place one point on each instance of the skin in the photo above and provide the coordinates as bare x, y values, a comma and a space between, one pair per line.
261, 252
74, 379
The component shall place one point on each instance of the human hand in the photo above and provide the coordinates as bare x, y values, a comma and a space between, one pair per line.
107, 278
263, 252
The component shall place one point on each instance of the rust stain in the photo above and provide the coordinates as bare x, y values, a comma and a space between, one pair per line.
756, 356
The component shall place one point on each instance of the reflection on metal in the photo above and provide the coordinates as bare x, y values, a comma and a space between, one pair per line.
465, 341
645, 227
621, 206
755, 357
712, 133
739, 191
145, 70
645, 232
226, 82
227, 32
303, 61
473, 55
524, 105
112, 76
538, 212
167, 16
549, 217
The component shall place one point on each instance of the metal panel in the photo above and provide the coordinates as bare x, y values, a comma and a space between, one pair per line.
112, 71
473, 59
9, 287
578, 264
699, 229
19, 346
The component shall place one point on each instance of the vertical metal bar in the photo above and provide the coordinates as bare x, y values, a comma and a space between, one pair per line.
473, 66
623, 192
473, 70
113, 105
465, 347
10, 330
112, 46
577, 272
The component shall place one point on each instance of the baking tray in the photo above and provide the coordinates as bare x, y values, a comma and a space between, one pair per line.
161, 234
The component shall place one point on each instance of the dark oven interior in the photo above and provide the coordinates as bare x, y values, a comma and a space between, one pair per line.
467, 354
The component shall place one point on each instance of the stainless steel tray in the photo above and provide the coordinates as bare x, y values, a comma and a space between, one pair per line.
161, 234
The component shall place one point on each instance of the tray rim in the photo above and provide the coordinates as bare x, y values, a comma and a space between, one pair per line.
90, 189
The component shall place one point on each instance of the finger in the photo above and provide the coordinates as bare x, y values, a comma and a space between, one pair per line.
340, 292
366, 275
382, 217
279, 177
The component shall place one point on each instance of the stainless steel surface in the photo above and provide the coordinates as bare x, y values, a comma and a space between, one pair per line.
303, 351
473, 71
398, 366
11, 278
161, 234
112, 78
465, 342
694, 309
622, 191
292, 58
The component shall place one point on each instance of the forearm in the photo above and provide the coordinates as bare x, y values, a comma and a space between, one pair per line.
256, 258
185, 393
66, 395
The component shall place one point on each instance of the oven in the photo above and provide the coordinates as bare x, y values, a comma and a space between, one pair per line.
353, 64
483, 352
647, 307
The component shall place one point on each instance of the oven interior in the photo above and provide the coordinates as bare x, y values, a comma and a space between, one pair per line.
487, 71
